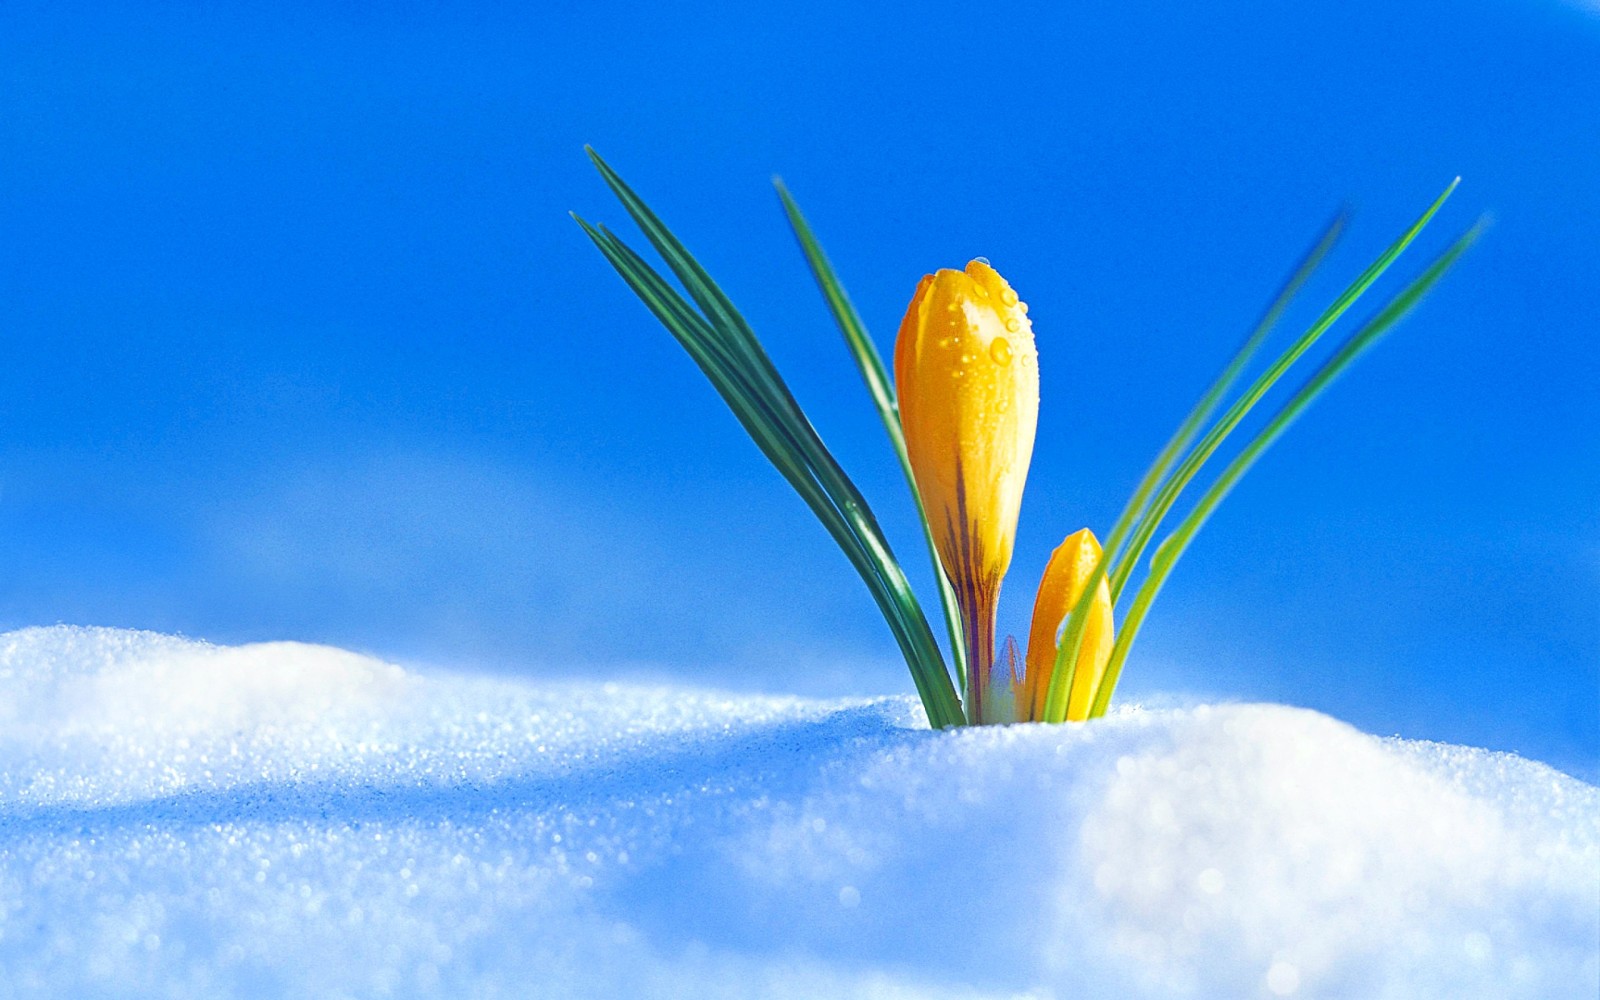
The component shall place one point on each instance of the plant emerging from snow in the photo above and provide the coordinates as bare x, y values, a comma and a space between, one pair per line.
961, 412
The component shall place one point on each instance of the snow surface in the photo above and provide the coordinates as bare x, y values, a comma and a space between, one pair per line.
181, 819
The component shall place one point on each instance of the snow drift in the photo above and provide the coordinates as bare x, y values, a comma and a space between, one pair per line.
181, 819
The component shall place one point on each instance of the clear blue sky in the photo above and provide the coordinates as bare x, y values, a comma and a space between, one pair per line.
299, 341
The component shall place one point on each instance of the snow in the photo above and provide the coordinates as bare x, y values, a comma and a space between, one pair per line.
181, 819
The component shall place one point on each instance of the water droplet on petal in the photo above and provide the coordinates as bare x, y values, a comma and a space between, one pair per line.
1000, 350
966, 359
1008, 297
958, 373
983, 260
1013, 324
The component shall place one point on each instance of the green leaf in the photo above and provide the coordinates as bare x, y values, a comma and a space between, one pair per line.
1066, 665
727, 351
881, 387
1168, 553
1170, 490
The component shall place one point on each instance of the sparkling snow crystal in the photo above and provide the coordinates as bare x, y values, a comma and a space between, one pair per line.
180, 819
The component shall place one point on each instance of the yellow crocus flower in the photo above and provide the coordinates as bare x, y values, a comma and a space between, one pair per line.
1070, 566
967, 376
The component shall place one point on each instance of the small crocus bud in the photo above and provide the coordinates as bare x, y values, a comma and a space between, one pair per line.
966, 371
1070, 566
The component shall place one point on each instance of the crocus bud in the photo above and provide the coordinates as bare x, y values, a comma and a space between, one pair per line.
966, 371
1070, 566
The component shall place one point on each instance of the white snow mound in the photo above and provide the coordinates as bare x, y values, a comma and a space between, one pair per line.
180, 819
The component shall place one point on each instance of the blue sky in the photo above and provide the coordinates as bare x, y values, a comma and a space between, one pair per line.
300, 342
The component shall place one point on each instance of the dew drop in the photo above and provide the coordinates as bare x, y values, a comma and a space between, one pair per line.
983, 260
966, 359
958, 373
1000, 350
1013, 324
1008, 297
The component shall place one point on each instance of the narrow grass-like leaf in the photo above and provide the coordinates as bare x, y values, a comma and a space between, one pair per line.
1168, 494
1168, 553
733, 329
1066, 664
726, 349
881, 387
1208, 403
713, 302
880, 383
695, 336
